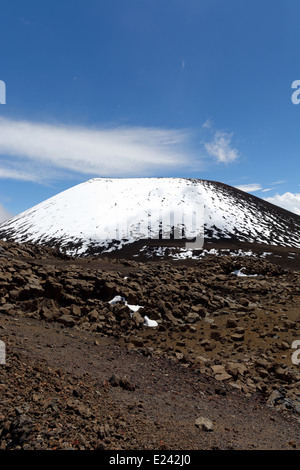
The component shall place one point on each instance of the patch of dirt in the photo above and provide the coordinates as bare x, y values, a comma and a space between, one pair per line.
64, 390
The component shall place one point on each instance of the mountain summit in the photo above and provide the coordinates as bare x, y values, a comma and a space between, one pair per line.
106, 214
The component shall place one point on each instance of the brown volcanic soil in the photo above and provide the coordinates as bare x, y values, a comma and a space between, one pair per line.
81, 374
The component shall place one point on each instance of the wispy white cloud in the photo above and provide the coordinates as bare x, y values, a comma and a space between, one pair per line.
289, 201
207, 124
250, 188
136, 151
279, 182
267, 189
220, 147
21, 174
4, 214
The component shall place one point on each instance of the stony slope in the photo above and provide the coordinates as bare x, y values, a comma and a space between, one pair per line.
224, 337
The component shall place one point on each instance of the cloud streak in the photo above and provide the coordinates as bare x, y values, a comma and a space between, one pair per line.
249, 188
27, 148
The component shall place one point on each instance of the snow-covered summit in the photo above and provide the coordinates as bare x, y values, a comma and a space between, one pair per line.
94, 213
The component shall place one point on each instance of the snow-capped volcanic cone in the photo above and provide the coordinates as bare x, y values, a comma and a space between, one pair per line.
108, 213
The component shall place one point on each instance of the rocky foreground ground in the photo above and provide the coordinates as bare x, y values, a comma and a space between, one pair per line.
216, 373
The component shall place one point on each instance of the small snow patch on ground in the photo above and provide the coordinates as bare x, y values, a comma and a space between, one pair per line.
133, 309
183, 253
150, 323
239, 273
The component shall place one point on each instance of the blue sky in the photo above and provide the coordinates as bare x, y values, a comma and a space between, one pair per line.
134, 88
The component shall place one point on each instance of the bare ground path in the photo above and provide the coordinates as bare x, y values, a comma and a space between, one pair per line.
150, 403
